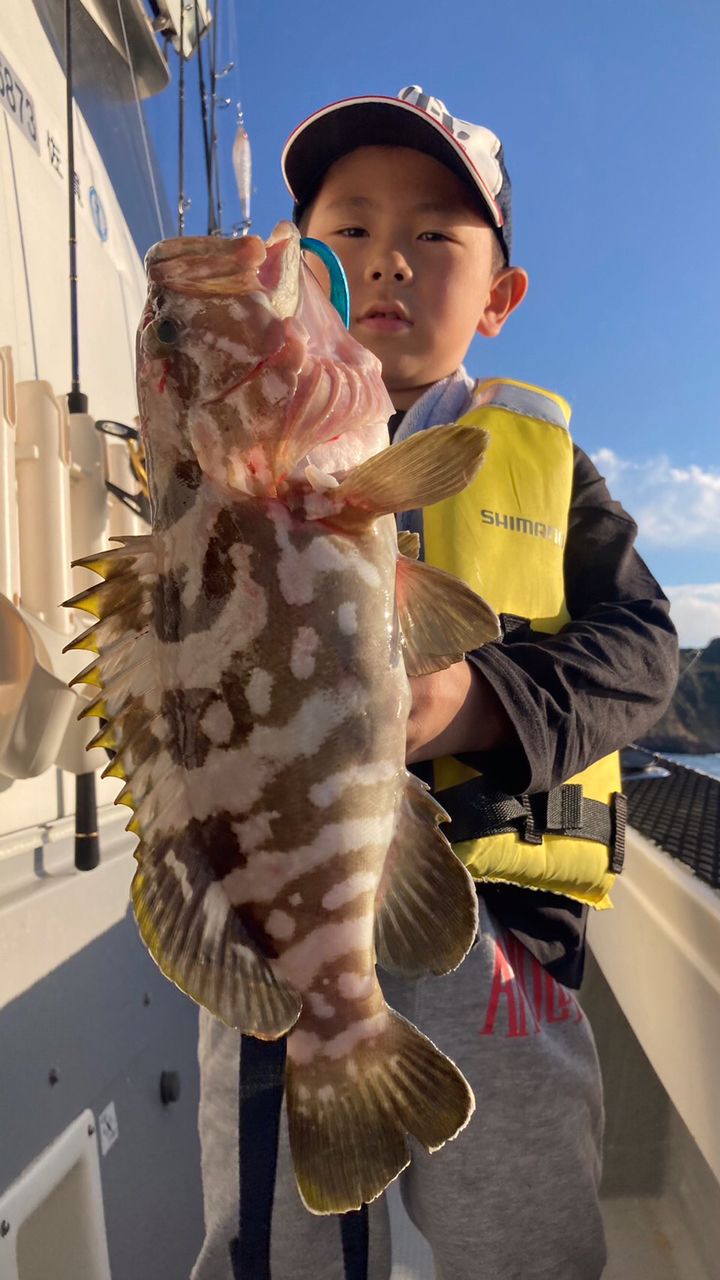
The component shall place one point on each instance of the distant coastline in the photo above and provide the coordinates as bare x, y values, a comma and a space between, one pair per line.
691, 724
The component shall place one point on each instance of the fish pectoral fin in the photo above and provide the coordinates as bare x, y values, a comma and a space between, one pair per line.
430, 466
348, 1117
426, 907
199, 942
441, 618
408, 544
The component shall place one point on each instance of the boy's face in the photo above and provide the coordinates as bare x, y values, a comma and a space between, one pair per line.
419, 261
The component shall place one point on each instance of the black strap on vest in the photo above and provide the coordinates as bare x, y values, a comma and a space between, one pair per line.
478, 809
261, 1085
261, 1088
354, 1235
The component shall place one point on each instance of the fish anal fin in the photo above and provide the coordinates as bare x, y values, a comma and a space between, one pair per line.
198, 941
424, 469
426, 909
349, 1117
441, 618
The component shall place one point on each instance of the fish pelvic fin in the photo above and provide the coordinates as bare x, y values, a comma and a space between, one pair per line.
424, 469
349, 1117
426, 908
198, 941
441, 618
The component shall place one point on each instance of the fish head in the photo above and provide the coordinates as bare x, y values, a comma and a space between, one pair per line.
245, 366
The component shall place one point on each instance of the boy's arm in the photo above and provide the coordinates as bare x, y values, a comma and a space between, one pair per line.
532, 710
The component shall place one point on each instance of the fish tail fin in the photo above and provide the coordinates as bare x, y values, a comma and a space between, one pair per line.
349, 1117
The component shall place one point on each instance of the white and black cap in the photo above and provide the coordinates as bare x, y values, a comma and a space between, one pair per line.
413, 119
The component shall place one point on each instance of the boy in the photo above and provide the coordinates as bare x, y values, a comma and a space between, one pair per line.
417, 206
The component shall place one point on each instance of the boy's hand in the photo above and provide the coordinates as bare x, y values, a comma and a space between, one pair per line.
452, 711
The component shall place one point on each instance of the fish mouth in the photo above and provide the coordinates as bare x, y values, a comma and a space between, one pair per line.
207, 267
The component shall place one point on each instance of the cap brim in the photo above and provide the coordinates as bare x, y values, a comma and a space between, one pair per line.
365, 122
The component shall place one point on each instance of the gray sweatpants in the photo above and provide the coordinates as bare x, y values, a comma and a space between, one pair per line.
514, 1197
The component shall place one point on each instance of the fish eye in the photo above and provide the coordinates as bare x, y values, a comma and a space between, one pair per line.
161, 338
167, 332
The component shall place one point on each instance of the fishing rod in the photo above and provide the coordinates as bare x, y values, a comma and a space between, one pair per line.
182, 204
87, 844
213, 174
212, 223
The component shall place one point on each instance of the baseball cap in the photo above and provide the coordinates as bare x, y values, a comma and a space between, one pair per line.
413, 119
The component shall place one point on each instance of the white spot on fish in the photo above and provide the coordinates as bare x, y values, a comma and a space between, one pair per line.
302, 1046
180, 872
352, 1069
346, 1041
340, 894
302, 658
268, 871
319, 1005
326, 1093
215, 908
258, 690
355, 986
202, 657
280, 925
275, 388
301, 963
295, 899
236, 349
298, 570
324, 793
217, 723
347, 617
254, 831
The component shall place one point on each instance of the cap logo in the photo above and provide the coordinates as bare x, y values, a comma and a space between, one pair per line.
480, 144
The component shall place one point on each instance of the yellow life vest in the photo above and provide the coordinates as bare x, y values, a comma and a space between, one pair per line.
505, 535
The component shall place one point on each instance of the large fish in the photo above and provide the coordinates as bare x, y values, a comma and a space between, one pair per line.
252, 654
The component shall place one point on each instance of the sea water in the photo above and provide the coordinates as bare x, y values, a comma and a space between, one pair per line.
705, 764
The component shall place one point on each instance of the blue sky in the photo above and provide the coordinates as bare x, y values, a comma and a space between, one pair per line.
610, 117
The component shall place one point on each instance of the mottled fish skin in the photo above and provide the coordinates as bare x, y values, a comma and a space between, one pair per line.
252, 671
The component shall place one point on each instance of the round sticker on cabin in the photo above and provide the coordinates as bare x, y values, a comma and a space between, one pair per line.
98, 214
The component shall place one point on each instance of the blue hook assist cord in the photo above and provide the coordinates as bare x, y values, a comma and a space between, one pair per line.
339, 288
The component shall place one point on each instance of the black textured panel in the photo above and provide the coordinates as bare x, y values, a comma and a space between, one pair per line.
680, 813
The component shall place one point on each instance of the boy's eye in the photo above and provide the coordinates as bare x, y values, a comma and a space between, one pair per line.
352, 233
432, 236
